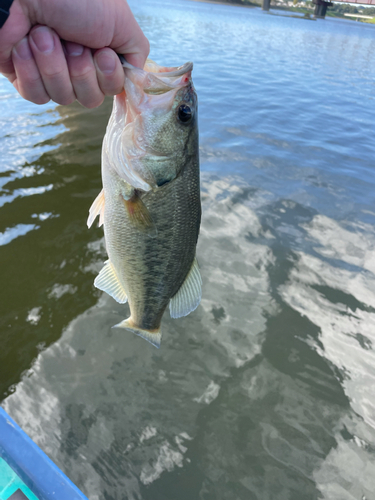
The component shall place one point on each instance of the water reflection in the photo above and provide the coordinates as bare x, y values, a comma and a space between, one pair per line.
98, 394
42, 202
265, 391
252, 400
341, 302
15, 232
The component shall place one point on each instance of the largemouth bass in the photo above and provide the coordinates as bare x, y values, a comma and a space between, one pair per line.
150, 202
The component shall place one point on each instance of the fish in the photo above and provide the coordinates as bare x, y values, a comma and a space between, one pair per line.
150, 204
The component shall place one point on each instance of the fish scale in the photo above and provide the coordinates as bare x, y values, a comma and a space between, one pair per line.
150, 203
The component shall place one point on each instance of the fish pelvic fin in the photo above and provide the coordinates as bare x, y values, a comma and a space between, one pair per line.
97, 208
188, 298
140, 216
152, 336
108, 282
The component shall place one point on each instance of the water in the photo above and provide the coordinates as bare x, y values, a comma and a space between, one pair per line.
267, 390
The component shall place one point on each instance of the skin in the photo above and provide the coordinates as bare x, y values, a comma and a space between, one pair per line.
66, 49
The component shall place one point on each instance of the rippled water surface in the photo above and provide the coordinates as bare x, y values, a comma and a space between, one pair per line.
267, 390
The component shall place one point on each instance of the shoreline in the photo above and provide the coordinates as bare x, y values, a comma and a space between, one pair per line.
222, 2
277, 7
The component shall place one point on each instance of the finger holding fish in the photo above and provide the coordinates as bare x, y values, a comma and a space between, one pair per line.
83, 75
109, 71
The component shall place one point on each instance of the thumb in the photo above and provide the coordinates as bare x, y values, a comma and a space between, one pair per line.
130, 41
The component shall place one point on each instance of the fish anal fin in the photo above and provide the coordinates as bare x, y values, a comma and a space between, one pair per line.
97, 208
139, 215
108, 281
188, 297
152, 336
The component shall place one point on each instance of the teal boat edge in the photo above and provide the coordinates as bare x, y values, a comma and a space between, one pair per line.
34, 468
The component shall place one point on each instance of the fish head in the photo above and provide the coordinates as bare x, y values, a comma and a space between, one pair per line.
158, 113
172, 127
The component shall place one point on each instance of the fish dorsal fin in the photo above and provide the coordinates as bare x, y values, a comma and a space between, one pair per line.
188, 297
108, 281
97, 208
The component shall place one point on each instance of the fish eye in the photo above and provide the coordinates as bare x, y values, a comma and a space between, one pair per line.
184, 113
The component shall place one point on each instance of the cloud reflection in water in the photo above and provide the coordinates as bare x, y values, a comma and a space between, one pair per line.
237, 391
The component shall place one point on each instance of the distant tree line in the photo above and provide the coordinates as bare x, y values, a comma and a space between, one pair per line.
243, 2
341, 8
337, 8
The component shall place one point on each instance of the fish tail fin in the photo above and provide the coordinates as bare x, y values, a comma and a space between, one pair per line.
152, 336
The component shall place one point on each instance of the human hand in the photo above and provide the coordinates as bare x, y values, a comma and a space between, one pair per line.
84, 66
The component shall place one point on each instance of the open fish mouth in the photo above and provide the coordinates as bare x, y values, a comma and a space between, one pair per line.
160, 79
160, 71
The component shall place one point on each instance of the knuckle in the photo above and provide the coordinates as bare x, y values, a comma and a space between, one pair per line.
42, 100
32, 89
82, 74
10, 76
93, 103
31, 80
65, 100
112, 85
52, 72
111, 91
36, 99
147, 46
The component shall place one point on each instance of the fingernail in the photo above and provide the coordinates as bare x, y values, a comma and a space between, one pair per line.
74, 49
106, 62
43, 39
23, 49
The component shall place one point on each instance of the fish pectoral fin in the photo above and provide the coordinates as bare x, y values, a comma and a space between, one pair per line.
153, 336
108, 281
139, 215
97, 208
188, 297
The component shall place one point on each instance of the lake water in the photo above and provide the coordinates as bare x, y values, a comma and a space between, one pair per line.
267, 390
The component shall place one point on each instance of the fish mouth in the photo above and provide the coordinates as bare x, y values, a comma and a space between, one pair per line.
155, 79
175, 72
160, 71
